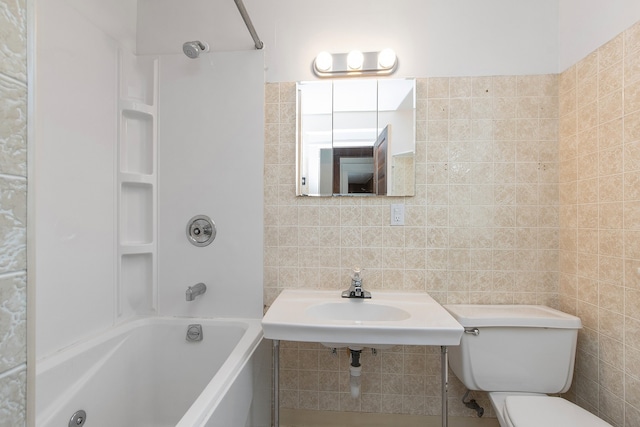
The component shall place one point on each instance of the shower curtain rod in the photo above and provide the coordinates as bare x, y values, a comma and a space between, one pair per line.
247, 21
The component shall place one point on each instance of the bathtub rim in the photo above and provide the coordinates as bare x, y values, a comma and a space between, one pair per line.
49, 361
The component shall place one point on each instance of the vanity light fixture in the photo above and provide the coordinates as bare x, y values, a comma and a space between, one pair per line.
324, 61
355, 63
387, 59
355, 60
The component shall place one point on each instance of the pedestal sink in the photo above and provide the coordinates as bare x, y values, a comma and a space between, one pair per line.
387, 318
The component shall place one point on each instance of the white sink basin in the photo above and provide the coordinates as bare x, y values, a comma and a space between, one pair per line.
388, 318
357, 312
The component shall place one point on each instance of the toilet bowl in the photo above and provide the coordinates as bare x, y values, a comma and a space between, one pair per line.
535, 410
519, 354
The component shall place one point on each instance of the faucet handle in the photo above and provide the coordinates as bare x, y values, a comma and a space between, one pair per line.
355, 290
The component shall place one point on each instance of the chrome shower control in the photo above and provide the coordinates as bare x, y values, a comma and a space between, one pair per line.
201, 230
78, 418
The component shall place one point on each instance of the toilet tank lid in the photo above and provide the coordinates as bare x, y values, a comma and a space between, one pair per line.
529, 316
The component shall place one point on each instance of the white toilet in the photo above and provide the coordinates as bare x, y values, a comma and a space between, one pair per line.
519, 353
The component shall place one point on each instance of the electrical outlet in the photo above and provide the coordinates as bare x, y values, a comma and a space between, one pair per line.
397, 214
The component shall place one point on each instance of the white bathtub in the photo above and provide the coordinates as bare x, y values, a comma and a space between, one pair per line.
144, 373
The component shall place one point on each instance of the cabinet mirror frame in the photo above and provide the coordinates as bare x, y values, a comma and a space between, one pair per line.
356, 137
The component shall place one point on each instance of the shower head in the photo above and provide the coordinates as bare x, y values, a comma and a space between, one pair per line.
194, 48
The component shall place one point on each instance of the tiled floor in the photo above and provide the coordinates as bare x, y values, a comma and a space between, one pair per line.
305, 418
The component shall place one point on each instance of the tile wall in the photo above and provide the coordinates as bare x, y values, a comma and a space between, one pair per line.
599, 178
482, 228
13, 191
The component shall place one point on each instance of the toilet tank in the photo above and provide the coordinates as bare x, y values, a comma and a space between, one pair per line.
520, 348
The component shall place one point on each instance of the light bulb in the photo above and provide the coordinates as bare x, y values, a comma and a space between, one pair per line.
387, 58
324, 61
355, 59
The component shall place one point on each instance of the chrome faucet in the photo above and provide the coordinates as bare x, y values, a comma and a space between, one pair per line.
355, 290
195, 290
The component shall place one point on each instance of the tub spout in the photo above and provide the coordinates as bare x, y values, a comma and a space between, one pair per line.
195, 290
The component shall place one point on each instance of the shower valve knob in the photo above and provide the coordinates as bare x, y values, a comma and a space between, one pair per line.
201, 230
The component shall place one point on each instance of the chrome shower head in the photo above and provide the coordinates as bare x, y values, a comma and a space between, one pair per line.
194, 48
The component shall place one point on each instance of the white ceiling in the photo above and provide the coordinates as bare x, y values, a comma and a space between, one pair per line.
431, 37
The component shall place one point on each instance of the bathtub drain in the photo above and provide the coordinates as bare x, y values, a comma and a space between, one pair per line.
78, 418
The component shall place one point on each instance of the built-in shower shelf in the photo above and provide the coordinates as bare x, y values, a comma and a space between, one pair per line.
137, 142
136, 249
137, 213
137, 181
137, 107
137, 277
135, 178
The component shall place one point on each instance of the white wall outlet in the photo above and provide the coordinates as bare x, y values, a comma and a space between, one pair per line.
397, 214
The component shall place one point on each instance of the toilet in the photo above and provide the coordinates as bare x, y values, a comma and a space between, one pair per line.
519, 354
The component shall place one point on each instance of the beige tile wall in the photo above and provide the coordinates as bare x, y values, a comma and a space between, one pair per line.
13, 190
600, 224
482, 228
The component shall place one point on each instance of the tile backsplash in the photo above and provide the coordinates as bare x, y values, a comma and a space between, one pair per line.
482, 228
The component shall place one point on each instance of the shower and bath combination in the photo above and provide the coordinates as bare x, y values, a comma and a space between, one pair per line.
193, 49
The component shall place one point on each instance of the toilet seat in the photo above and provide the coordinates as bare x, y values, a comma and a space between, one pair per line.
536, 411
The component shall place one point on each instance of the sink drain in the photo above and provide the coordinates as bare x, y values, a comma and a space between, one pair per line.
78, 418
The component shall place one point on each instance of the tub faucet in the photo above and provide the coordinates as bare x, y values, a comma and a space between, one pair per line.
355, 290
195, 290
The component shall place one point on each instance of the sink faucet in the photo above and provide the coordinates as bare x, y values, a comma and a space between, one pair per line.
355, 290
195, 290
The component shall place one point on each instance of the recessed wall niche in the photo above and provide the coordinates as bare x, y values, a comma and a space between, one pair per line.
136, 279
136, 205
136, 151
137, 186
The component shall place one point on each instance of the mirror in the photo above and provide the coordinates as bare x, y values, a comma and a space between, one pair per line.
356, 137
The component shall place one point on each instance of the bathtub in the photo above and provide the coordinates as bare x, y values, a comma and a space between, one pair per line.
144, 373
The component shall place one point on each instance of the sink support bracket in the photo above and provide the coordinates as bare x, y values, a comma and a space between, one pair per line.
444, 369
275, 409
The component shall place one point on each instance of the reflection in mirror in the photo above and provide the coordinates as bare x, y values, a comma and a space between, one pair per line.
356, 137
